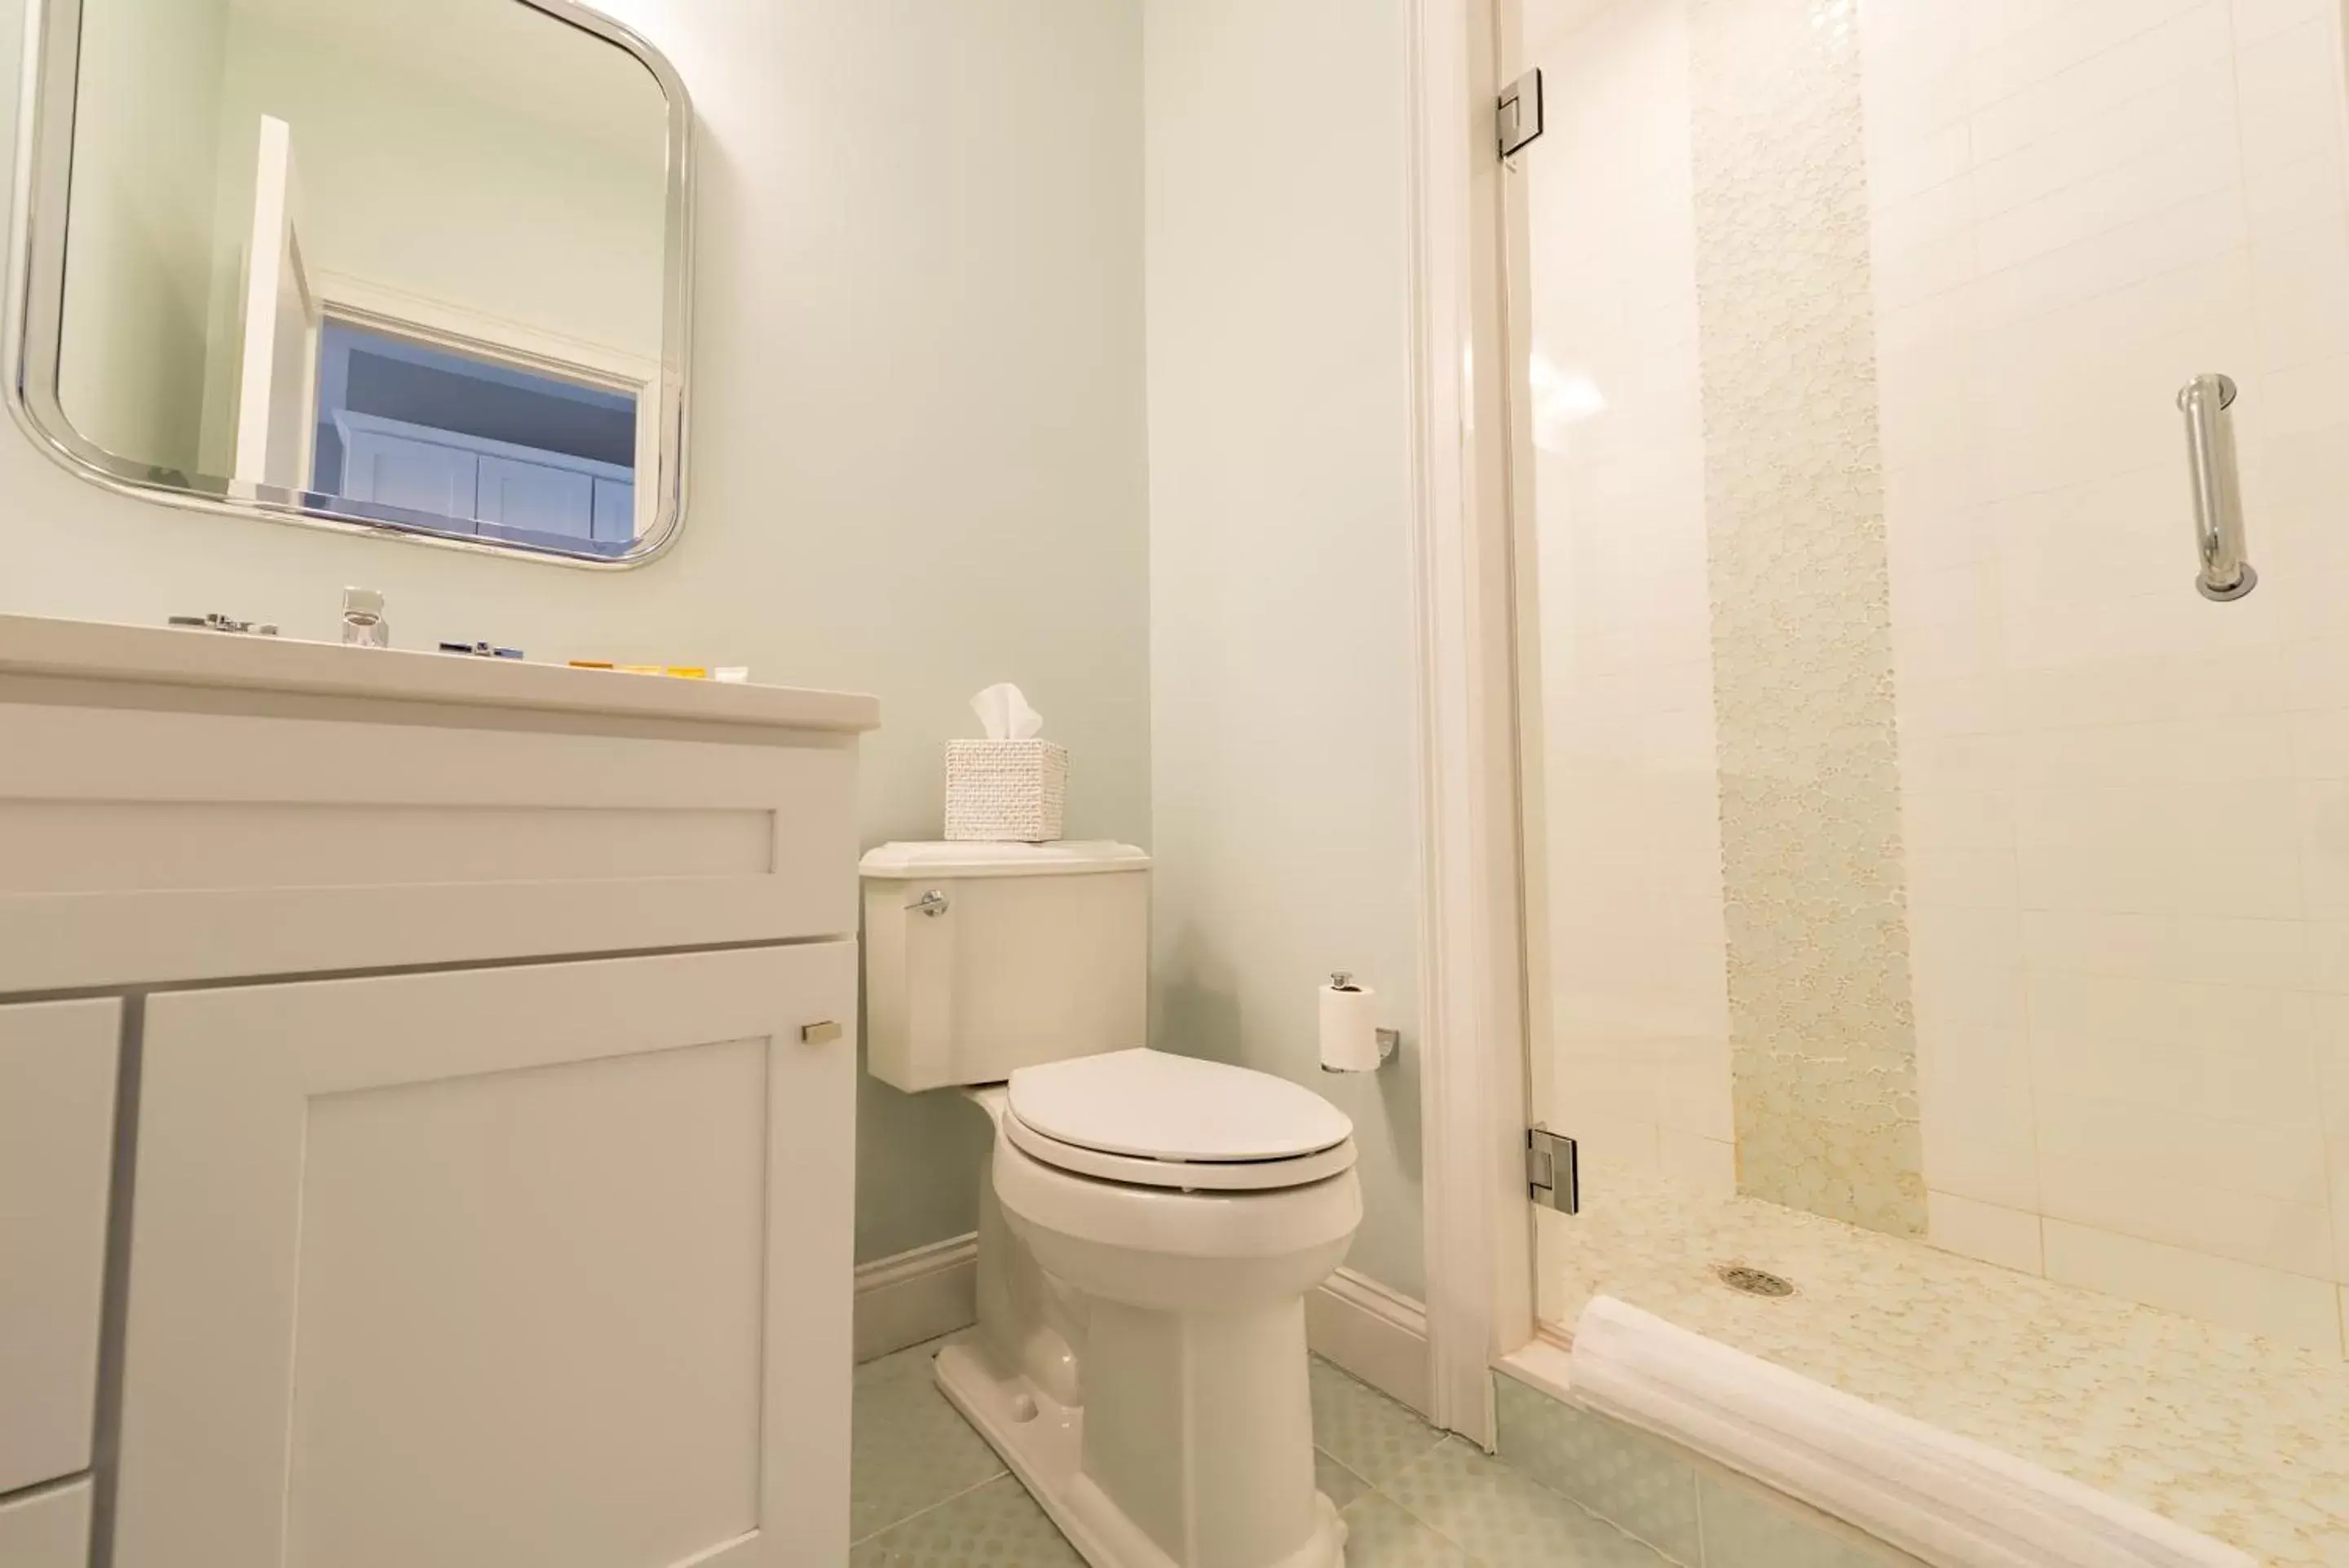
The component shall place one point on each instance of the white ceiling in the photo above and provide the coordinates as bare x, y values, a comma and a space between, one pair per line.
505, 53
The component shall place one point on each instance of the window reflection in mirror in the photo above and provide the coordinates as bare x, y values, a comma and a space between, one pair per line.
405, 260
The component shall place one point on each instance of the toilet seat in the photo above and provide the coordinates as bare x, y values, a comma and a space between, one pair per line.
1191, 1175
1150, 1119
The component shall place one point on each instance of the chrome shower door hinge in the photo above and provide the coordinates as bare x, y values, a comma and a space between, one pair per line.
1519, 119
1551, 1171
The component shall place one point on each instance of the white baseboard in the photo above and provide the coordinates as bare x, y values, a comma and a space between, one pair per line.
1374, 1332
917, 1295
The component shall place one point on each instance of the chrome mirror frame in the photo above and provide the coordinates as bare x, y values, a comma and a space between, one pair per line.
31, 334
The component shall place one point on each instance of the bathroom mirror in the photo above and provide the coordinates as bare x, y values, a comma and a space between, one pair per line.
411, 267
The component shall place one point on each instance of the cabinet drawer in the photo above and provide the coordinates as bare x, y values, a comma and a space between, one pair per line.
553, 1254
47, 1529
57, 1127
141, 846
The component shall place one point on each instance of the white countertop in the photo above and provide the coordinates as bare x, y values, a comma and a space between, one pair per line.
178, 656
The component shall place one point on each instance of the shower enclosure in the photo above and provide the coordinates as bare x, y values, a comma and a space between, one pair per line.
1931, 451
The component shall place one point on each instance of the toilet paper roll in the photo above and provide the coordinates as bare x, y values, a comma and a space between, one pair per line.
1349, 1029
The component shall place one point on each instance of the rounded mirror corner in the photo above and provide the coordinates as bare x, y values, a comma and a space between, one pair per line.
483, 399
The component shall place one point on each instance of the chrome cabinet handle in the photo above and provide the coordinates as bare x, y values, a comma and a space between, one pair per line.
2223, 574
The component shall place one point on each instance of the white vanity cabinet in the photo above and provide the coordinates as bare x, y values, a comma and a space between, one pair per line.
47, 1527
483, 1179
56, 1140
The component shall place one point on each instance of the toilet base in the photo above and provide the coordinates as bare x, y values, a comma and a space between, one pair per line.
1042, 1441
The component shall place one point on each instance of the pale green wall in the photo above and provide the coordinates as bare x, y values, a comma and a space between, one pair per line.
139, 264
917, 461
919, 466
1282, 770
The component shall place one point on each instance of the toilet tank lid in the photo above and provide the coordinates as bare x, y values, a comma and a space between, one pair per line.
972, 859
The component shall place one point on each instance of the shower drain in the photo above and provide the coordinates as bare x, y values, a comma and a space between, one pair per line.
1753, 1281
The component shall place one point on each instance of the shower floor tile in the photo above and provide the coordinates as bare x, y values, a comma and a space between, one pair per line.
2230, 1433
928, 1492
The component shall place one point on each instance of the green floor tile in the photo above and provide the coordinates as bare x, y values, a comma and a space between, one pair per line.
1339, 1484
997, 1525
1362, 1428
1503, 1520
1744, 1528
908, 1448
1645, 1486
1379, 1534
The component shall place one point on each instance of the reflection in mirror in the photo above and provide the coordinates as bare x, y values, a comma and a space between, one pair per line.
405, 264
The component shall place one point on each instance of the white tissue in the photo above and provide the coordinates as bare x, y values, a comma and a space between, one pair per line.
1004, 713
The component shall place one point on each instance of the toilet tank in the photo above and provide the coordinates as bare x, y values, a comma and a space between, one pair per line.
981, 959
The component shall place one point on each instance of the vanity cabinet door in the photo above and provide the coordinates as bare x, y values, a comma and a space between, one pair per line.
47, 1529
57, 1155
541, 1264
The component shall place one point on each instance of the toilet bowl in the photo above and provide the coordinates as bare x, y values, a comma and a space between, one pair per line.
1150, 1223
1197, 1447
1140, 1358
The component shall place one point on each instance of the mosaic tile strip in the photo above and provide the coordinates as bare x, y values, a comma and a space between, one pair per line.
1823, 1039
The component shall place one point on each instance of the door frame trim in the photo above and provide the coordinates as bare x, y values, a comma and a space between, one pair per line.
1479, 1236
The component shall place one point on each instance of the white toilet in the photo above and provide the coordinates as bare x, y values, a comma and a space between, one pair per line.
1150, 1223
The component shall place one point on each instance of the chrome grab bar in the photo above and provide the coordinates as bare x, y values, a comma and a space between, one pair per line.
2218, 488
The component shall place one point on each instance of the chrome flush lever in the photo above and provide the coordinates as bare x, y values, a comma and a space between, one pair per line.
932, 903
2224, 574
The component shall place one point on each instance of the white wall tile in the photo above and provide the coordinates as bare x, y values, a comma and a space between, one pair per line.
2254, 885
2339, 1156
2126, 812
2295, 1309
2136, 1197
1608, 1145
1957, 1161
1692, 1089
1705, 1164
2291, 105
2126, 818
1962, 878
2331, 1052
2286, 195
2257, 21
1618, 1083
1634, 962
2136, 1143
2007, 1237
2078, 61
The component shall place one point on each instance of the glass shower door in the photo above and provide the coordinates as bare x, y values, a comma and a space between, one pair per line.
1934, 896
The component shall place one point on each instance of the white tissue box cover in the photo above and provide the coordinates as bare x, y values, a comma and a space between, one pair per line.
1006, 790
